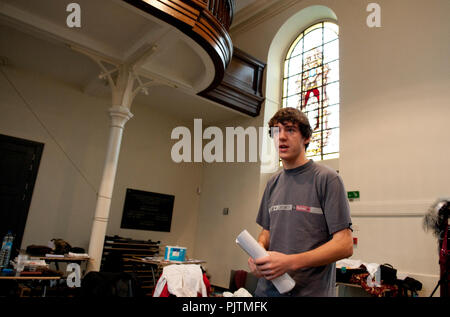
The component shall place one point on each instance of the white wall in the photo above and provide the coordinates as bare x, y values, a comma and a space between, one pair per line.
63, 200
226, 185
394, 144
145, 163
75, 129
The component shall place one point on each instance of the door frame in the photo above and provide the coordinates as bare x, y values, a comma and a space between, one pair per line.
38, 149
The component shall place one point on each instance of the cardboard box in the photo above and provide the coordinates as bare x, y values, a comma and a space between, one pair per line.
175, 253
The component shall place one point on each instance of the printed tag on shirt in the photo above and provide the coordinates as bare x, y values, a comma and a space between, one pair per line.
280, 208
312, 210
302, 208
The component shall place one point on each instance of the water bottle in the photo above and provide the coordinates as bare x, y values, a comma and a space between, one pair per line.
3, 250
6, 250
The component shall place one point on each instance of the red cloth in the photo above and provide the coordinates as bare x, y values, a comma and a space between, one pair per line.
207, 285
382, 291
239, 278
165, 291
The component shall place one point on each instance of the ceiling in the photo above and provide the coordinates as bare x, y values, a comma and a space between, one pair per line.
116, 32
248, 11
241, 4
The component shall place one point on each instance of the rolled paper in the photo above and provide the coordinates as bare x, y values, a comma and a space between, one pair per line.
283, 283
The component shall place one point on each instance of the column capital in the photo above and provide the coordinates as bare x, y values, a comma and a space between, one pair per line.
119, 116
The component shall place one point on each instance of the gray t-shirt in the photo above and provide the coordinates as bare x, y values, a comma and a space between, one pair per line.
302, 208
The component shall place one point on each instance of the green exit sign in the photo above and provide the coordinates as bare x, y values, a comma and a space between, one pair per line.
353, 194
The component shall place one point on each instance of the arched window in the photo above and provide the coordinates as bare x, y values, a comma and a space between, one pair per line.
311, 84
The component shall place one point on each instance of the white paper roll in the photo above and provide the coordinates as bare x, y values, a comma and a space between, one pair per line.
283, 283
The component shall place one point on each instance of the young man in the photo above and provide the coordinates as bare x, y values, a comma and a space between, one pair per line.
304, 214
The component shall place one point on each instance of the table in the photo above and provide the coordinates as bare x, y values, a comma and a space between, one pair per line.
161, 262
350, 290
156, 264
67, 259
32, 278
357, 290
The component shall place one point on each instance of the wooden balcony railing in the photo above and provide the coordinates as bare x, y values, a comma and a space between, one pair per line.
223, 10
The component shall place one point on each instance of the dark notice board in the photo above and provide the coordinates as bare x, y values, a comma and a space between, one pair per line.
147, 211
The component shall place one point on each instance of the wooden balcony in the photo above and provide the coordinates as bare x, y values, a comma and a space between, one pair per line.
237, 81
241, 87
206, 22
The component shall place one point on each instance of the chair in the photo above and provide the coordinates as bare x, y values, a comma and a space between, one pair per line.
244, 279
109, 284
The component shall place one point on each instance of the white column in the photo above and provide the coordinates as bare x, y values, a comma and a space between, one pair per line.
119, 116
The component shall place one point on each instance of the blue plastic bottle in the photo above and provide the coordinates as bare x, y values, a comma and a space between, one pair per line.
6, 250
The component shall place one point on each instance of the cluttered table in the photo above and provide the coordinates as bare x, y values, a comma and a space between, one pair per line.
380, 280
34, 263
64, 258
51, 258
161, 262
35, 271
30, 277
156, 264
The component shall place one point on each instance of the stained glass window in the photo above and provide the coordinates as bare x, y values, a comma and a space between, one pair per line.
311, 84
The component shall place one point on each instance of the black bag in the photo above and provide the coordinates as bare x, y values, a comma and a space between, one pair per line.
412, 284
388, 274
38, 250
61, 246
409, 284
77, 250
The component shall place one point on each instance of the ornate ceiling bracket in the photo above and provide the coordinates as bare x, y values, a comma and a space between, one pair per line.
126, 79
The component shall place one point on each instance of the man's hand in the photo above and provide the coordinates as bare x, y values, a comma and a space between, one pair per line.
273, 265
276, 263
263, 240
253, 268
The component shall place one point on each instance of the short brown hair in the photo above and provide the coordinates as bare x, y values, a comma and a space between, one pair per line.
294, 116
